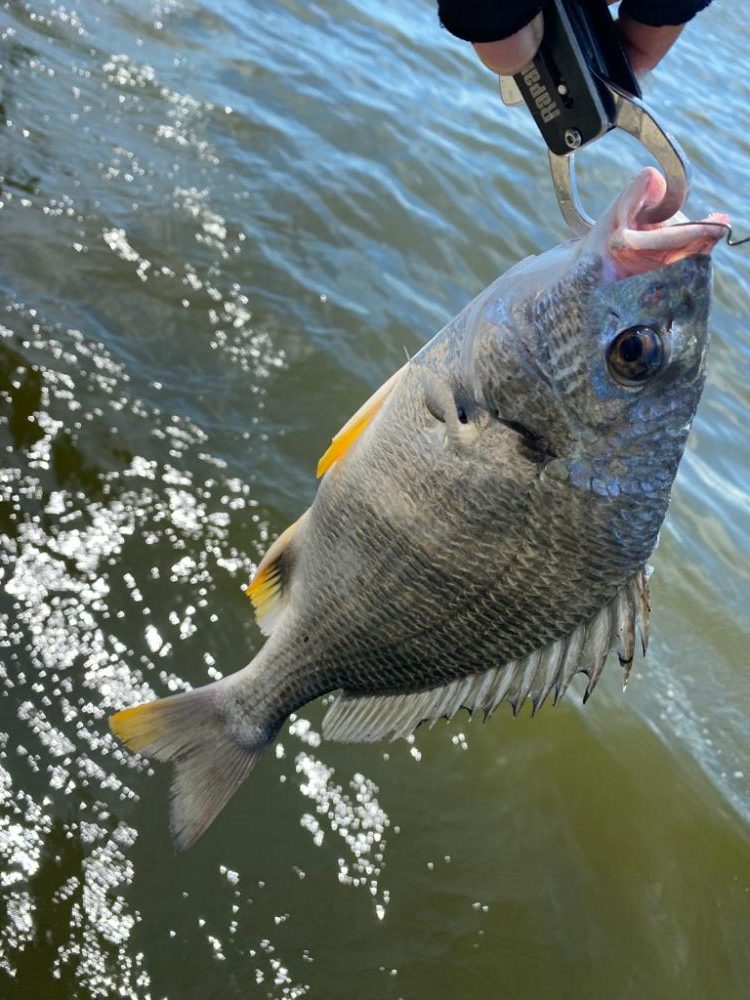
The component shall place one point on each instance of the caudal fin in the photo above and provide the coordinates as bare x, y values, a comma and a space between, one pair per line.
209, 761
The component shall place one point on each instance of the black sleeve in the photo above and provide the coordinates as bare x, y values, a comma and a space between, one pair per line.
658, 13
486, 20
489, 20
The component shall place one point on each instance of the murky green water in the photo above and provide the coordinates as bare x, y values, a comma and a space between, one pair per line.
222, 225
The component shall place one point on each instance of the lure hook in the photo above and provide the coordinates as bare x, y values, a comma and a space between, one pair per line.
730, 239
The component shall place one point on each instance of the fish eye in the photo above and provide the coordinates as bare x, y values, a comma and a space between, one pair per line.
635, 355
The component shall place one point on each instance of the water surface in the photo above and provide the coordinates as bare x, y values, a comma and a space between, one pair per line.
222, 226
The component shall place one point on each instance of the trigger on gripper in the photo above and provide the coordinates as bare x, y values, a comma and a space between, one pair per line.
510, 95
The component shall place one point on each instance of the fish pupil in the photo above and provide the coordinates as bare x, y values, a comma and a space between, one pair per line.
631, 349
635, 355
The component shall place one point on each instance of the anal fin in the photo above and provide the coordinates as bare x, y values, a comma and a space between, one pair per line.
269, 586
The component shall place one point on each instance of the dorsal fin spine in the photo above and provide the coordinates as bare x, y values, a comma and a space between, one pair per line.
534, 676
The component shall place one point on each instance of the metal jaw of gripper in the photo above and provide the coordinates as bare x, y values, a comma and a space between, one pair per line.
631, 116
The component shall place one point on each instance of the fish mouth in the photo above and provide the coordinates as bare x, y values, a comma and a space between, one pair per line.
634, 247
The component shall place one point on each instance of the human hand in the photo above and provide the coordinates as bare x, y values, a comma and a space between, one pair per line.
506, 35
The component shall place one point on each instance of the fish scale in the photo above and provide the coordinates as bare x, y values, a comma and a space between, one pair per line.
482, 523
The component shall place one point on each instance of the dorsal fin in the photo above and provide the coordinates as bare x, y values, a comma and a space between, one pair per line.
364, 719
269, 585
351, 430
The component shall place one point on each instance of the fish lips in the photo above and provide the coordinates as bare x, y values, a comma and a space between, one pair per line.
640, 251
629, 246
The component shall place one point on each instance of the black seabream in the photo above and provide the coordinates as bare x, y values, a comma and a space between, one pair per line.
482, 524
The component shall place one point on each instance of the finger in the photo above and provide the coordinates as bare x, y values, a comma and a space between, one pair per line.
509, 55
646, 46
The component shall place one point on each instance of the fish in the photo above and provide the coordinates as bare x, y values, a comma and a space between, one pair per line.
482, 526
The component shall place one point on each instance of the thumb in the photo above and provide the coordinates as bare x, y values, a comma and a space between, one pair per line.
509, 55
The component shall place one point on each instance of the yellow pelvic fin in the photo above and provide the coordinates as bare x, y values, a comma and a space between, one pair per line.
266, 589
352, 429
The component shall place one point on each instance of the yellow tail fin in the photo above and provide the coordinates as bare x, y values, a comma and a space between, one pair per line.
211, 760
137, 727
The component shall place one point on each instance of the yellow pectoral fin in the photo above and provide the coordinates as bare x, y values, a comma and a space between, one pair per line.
352, 429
